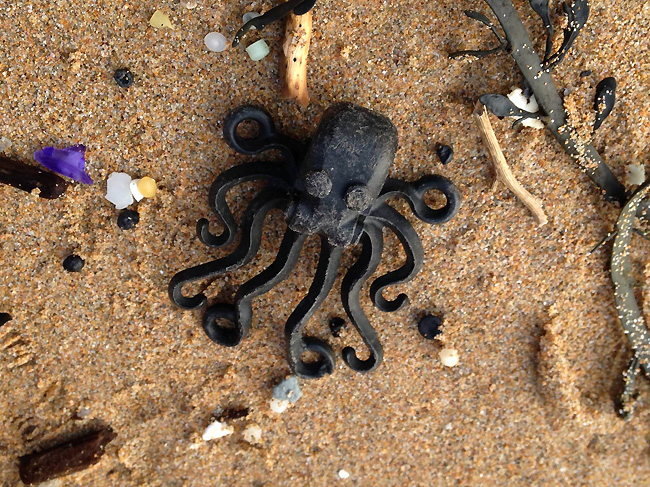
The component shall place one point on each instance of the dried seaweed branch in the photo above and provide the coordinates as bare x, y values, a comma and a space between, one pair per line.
629, 312
541, 83
504, 174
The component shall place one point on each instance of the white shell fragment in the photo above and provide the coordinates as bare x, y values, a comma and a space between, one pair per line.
215, 42
449, 357
258, 50
118, 190
344, 474
133, 186
252, 434
279, 406
517, 97
635, 173
217, 430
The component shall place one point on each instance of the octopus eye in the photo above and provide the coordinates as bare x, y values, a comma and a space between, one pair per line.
318, 184
357, 197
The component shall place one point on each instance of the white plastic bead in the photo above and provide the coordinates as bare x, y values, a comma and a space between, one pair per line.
449, 357
258, 50
118, 190
344, 474
215, 42
217, 430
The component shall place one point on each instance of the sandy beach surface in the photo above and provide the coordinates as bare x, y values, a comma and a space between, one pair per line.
530, 311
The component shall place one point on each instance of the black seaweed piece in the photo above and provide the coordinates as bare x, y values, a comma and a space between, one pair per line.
604, 102
541, 84
577, 15
29, 178
541, 8
503, 44
4, 318
298, 7
445, 153
64, 458
501, 106
629, 313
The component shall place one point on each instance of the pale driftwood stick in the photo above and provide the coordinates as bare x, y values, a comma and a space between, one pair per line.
296, 49
504, 174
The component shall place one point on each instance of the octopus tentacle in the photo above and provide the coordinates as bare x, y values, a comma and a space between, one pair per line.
372, 246
328, 264
414, 193
267, 200
274, 173
391, 218
240, 314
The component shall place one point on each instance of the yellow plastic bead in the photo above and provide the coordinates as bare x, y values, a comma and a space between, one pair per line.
147, 187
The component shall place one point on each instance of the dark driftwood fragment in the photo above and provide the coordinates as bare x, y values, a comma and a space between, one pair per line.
65, 458
29, 178
629, 312
604, 102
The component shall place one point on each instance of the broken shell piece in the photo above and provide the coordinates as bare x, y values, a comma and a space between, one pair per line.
449, 357
279, 406
635, 173
517, 97
217, 430
258, 50
143, 188
253, 434
118, 190
160, 20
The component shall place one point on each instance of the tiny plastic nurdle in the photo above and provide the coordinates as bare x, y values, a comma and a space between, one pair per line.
147, 187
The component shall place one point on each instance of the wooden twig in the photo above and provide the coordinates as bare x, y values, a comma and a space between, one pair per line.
296, 49
504, 174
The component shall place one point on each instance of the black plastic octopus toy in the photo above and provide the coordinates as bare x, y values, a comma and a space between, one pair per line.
335, 186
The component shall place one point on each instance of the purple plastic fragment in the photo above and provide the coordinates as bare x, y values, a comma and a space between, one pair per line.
68, 162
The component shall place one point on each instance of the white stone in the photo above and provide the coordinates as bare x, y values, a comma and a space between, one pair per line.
278, 405
635, 173
258, 50
217, 430
253, 434
517, 97
118, 190
449, 357
215, 42
344, 474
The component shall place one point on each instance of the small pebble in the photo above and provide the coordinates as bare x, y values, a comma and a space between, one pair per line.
258, 50
449, 357
336, 326
217, 430
128, 219
143, 188
278, 406
118, 190
123, 77
190, 4
215, 42
635, 173
445, 153
73, 263
5, 143
429, 326
288, 390
343, 474
160, 20
252, 434
585, 73
4, 318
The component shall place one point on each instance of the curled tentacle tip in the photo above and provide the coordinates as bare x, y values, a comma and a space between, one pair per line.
206, 237
356, 364
389, 306
228, 336
176, 295
321, 367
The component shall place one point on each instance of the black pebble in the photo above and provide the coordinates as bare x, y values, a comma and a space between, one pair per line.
73, 263
4, 318
336, 325
128, 219
585, 73
123, 77
429, 326
445, 153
